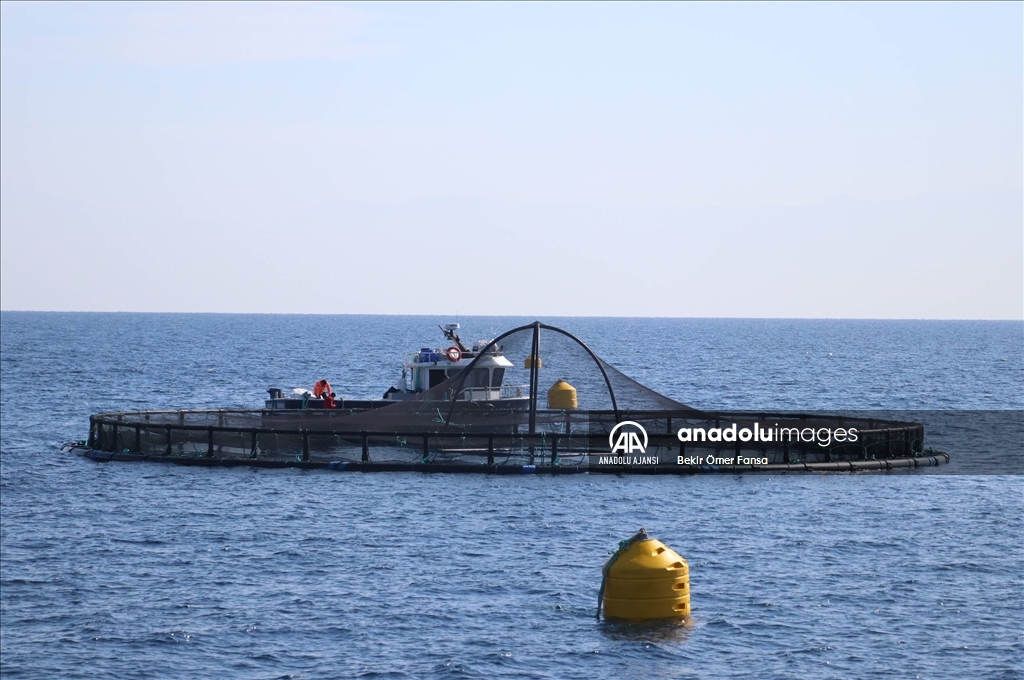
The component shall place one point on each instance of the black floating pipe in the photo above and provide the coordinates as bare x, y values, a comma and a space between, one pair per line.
845, 466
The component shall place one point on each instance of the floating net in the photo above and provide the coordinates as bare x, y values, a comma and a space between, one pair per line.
558, 404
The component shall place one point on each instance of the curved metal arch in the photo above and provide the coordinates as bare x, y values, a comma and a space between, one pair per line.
539, 325
611, 391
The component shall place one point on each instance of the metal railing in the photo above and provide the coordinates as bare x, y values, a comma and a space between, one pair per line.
169, 433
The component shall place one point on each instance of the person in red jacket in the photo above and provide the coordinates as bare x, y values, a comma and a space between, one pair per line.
322, 388
329, 400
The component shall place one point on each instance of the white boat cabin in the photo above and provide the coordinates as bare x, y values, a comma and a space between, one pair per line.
429, 368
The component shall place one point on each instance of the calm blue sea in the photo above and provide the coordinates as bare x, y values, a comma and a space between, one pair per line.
123, 570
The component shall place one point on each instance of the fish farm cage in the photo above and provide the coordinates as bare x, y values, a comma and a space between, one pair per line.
574, 412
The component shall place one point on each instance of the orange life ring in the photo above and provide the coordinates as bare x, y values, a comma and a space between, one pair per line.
453, 354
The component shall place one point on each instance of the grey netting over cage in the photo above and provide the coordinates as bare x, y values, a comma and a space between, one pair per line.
533, 395
540, 364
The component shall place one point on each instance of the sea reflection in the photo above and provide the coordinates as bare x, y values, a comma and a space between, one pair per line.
655, 630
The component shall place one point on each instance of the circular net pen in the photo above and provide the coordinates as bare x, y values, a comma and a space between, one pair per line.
561, 408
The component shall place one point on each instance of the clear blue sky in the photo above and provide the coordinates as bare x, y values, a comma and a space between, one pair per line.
791, 160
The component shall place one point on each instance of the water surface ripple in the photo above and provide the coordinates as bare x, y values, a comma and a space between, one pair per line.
145, 571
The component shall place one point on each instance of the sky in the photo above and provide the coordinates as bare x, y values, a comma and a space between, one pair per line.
789, 160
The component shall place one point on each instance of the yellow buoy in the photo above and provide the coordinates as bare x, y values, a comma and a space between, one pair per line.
529, 362
645, 579
562, 395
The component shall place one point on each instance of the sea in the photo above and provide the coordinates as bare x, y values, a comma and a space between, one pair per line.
144, 570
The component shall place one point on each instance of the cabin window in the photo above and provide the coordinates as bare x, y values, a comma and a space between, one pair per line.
478, 377
437, 377
496, 377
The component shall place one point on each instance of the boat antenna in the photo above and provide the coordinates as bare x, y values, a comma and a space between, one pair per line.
452, 336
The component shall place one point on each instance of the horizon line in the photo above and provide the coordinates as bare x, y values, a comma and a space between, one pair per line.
568, 316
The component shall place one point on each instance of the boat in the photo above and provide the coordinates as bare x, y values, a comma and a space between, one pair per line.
427, 369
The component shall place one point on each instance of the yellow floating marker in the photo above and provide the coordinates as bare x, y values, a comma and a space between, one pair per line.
529, 362
644, 579
562, 395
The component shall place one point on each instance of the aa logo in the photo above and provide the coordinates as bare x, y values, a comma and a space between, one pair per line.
628, 440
